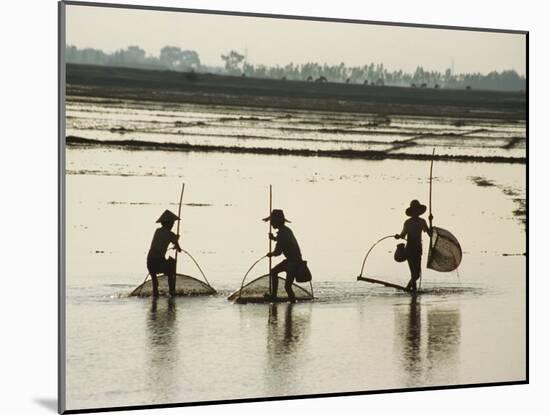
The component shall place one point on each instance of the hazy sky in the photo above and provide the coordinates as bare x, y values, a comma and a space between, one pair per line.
278, 41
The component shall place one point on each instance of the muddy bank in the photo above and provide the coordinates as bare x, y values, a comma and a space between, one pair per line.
520, 213
347, 153
209, 89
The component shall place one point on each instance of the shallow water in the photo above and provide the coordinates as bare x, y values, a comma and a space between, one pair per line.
464, 328
268, 128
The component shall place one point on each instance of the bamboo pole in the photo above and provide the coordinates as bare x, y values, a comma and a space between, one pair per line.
369, 251
431, 177
179, 221
430, 211
384, 283
269, 239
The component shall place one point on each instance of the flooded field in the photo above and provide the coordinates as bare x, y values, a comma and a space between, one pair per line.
354, 336
249, 129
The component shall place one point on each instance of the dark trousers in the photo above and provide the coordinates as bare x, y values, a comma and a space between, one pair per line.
164, 266
282, 267
414, 259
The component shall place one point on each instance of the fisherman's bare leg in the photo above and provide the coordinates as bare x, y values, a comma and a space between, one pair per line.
172, 284
155, 283
288, 288
171, 274
414, 261
274, 284
275, 271
153, 268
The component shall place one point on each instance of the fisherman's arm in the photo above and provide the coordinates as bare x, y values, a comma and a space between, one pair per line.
402, 234
175, 240
426, 228
278, 246
277, 251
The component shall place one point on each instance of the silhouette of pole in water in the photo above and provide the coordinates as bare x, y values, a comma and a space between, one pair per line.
430, 217
179, 220
430, 199
269, 239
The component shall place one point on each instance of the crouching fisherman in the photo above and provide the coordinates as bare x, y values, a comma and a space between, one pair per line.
288, 246
412, 230
156, 258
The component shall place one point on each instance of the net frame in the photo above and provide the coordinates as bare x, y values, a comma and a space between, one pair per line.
201, 288
261, 286
445, 254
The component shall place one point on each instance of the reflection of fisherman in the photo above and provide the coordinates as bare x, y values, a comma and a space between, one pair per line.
283, 343
288, 246
156, 261
412, 230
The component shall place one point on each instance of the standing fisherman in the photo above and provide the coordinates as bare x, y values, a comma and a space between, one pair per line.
412, 230
156, 258
288, 246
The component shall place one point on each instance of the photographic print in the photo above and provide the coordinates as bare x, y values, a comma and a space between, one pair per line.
257, 207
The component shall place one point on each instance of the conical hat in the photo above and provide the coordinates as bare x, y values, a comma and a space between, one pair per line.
167, 216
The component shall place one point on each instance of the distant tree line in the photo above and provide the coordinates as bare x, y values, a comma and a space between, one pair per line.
171, 57
377, 74
177, 59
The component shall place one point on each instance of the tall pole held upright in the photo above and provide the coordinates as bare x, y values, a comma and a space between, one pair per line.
431, 172
179, 221
269, 239
430, 206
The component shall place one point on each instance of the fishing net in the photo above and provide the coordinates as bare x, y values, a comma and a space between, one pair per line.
185, 285
445, 253
254, 291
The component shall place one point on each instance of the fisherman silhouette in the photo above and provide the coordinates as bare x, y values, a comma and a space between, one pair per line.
288, 246
412, 230
156, 260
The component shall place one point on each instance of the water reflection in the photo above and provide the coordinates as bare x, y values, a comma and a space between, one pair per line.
428, 356
162, 348
443, 345
160, 321
412, 333
287, 329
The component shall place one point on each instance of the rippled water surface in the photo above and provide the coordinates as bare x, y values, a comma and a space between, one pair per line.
466, 327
